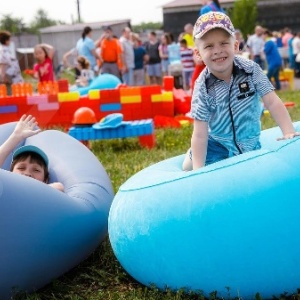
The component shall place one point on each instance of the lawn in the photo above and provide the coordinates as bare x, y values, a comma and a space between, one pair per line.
101, 276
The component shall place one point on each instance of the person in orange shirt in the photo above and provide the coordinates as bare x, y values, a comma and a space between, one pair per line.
110, 52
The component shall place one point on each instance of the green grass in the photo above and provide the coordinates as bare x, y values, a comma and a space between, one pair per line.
101, 276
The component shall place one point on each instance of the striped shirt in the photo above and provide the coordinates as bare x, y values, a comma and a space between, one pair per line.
187, 59
232, 110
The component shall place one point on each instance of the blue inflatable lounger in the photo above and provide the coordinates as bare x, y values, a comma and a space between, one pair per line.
113, 126
234, 223
44, 232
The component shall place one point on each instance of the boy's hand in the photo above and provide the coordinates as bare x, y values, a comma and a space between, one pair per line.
288, 136
26, 127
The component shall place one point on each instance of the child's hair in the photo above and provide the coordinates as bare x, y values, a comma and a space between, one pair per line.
268, 33
183, 42
171, 37
4, 36
167, 37
83, 61
86, 31
217, 3
34, 158
43, 48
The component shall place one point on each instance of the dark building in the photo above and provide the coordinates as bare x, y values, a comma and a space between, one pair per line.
273, 14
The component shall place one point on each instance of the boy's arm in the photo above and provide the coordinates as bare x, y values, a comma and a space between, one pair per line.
199, 144
280, 114
26, 127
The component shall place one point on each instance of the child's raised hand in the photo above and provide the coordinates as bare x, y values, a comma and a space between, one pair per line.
26, 127
288, 136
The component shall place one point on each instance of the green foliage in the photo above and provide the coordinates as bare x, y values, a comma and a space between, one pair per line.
11, 24
244, 16
147, 26
41, 20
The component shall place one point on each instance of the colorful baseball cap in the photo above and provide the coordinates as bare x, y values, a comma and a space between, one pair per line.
212, 20
34, 149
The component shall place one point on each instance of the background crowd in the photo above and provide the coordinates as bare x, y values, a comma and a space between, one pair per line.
137, 62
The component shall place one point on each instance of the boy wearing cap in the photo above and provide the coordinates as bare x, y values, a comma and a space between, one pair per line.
226, 104
28, 160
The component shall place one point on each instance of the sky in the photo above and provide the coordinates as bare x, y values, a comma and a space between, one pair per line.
91, 10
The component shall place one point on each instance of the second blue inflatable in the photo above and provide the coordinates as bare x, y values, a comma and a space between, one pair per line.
234, 224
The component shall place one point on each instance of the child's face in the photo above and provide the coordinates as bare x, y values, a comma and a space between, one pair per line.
217, 49
29, 168
39, 54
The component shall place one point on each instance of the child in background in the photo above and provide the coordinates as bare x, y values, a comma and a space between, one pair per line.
86, 74
28, 160
43, 69
226, 104
188, 64
163, 53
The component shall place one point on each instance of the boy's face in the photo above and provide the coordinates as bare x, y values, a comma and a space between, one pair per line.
30, 168
217, 49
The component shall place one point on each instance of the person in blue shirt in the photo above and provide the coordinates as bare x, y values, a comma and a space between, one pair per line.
226, 105
86, 47
210, 5
273, 58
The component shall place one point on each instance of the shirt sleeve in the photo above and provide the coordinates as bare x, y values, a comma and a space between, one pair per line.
199, 110
261, 81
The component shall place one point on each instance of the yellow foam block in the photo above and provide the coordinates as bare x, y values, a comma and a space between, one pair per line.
68, 97
94, 94
288, 74
157, 98
168, 96
131, 99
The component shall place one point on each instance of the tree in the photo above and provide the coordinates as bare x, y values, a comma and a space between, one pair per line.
244, 16
42, 20
13, 25
147, 26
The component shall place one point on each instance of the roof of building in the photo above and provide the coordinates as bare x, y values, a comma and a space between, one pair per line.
80, 26
180, 3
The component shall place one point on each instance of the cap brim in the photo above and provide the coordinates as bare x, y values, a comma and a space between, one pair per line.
34, 149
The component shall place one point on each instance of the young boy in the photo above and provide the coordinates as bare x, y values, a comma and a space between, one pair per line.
226, 100
28, 160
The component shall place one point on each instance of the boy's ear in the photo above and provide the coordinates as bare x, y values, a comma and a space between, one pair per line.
197, 53
236, 46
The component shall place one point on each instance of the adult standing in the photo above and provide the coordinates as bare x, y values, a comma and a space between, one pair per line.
110, 53
139, 60
86, 47
286, 36
296, 51
210, 5
188, 35
273, 58
128, 56
255, 44
154, 70
10, 72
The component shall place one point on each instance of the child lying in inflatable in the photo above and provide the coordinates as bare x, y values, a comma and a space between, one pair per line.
28, 160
